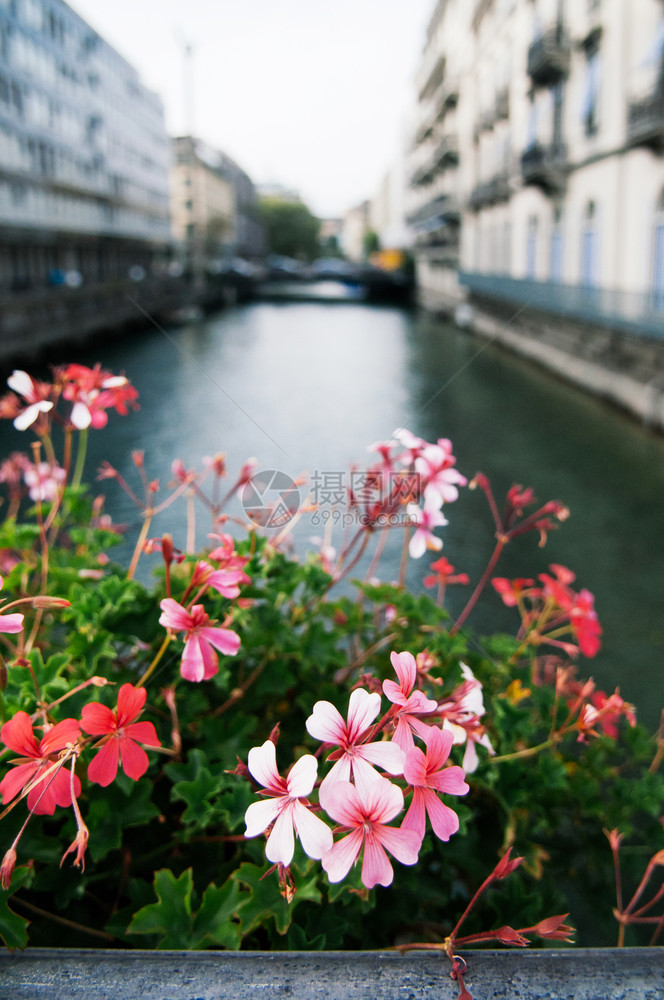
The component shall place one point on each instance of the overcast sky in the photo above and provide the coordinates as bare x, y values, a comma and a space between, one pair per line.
313, 94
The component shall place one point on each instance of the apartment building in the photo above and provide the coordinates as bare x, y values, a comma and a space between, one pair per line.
202, 201
84, 154
537, 163
214, 206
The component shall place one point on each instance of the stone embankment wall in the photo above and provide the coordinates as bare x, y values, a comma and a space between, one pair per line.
622, 367
49, 320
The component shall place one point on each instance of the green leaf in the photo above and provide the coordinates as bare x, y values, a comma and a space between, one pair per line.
216, 921
198, 791
171, 916
112, 810
13, 928
266, 900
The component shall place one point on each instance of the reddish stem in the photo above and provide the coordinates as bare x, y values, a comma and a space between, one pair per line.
500, 545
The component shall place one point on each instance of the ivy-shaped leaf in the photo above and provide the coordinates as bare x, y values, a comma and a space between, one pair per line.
114, 810
14, 928
171, 915
197, 791
266, 900
217, 922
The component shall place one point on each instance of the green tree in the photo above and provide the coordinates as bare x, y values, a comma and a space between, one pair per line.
291, 229
371, 242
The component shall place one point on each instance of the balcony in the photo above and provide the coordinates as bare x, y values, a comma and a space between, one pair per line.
502, 106
549, 57
423, 133
545, 167
440, 211
484, 122
446, 153
645, 120
490, 192
446, 99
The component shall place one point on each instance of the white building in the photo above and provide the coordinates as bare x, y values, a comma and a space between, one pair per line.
537, 166
387, 210
84, 154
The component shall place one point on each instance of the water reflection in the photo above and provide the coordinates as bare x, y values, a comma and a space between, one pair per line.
308, 386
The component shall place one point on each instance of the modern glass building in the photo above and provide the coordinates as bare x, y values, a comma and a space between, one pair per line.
84, 155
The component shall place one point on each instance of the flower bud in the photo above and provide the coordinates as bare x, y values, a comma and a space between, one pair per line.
507, 935
505, 867
44, 601
7, 868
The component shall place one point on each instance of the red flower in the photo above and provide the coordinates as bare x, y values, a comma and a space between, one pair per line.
36, 758
444, 573
585, 624
123, 736
93, 391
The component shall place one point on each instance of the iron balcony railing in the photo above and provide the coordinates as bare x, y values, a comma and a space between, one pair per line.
645, 119
446, 153
549, 56
502, 105
637, 313
442, 210
490, 192
545, 166
446, 98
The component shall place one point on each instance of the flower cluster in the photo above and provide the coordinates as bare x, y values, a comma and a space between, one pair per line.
414, 474
91, 391
370, 785
554, 613
40, 772
356, 793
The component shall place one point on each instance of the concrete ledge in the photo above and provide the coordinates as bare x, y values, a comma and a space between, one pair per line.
570, 974
644, 400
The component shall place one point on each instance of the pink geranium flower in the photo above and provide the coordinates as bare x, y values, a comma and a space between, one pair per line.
34, 393
93, 391
435, 465
365, 812
224, 581
287, 807
412, 703
122, 734
425, 519
10, 623
44, 481
354, 757
461, 714
199, 660
36, 758
426, 773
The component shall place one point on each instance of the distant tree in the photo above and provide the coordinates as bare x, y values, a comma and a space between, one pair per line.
290, 227
329, 247
371, 242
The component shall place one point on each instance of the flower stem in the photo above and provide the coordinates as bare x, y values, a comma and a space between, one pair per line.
500, 545
80, 458
151, 668
139, 545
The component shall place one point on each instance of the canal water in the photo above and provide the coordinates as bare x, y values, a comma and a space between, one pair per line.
307, 386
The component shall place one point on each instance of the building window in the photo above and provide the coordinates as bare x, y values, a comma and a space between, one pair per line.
658, 256
531, 133
556, 261
590, 106
506, 255
590, 247
531, 246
